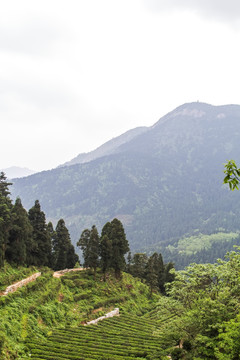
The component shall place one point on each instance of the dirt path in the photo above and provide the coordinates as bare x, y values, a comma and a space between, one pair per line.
58, 274
17, 285
112, 313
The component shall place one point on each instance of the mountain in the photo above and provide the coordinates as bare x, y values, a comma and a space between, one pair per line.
164, 184
17, 172
110, 147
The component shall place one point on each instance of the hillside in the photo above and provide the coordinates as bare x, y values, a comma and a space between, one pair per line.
49, 317
34, 310
164, 184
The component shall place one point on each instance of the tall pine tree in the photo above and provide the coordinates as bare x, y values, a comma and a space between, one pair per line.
105, 254
64, 255
38, 254
89, 244
20, 235
120, 246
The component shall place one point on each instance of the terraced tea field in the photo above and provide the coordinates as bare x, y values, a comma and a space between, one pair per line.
120, 338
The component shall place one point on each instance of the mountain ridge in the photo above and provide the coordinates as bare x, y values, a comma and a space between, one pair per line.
107, 148
164, 184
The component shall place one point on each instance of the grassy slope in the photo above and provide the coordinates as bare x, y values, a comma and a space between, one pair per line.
48, 303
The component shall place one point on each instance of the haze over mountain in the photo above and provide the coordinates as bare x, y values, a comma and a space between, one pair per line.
164, 182
110, 147
17, 172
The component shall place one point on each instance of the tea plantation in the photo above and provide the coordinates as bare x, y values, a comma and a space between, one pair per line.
126, 337
48, 303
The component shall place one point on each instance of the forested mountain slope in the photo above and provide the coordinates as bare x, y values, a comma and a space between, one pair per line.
163, 184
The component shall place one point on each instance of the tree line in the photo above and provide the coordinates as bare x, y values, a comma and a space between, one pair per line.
110, 250
25, 237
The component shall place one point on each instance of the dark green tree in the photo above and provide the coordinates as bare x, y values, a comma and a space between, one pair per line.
89, 244
63, 251
152, 272
20, 235
139, 263
72, 257
38, 254
5, 215
169, 276
51, 234
105, 252
120, 247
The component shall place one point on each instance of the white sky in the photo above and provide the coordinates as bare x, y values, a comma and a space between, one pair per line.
75, 73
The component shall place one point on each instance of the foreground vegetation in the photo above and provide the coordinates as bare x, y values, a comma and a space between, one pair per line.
198, 319
71, 300
201, 312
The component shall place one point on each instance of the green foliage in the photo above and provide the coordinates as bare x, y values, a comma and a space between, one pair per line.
152, 270
10, 274
228, 347
201, 311
232, 173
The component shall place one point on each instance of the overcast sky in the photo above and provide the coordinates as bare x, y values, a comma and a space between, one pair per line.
76, 73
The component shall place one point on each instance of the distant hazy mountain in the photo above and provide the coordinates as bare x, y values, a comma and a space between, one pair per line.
108, 148
17, 172
164, 183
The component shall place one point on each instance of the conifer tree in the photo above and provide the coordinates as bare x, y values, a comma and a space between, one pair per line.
160, 268
105, 254
64, 255
119, 247
168, 276
5, 215
72, 257
61, 237
138, 267
51, 234
19, 235
38, 254
89, 244
151, 273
